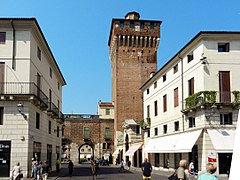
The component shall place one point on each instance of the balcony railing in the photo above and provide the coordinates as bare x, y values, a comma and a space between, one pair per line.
211, 97
23, 88
52, 108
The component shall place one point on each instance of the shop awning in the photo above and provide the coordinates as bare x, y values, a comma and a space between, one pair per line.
116, 152
132, 150
177, 143
222, 140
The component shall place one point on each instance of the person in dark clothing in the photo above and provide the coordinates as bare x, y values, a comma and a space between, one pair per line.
146, 169
45, 170
70, 168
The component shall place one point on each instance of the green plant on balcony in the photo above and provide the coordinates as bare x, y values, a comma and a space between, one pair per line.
209, 96
141, 123
236, 95
148, 121
191, 101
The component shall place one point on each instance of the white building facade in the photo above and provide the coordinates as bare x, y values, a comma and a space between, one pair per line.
30, 97
191, 104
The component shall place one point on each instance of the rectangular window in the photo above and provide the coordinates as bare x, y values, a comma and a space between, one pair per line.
189, 58
131, 24
104, 145
223, 47
142, 25
49, 127
137, 129
86, 133
164, 77
121, 24
175, 69
224, 86
157, 160
39, 53
37, 120
175, 97
107, 112
165, 103
164, 129
1, 115
155, 108
177, 158
226, 119
191, 122
58, 86
2, 37
191, 87
50, 72
57, 131
152, 25
155, 84
176, 126
148, 91
108, 145
156, 131
148, 111
148, 133
107, 133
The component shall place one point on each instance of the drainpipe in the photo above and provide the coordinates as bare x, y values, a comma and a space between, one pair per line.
14, 47
182, 89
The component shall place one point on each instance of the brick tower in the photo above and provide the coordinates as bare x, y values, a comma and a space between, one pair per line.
133, 54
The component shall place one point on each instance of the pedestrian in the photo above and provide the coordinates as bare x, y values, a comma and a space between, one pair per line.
122, 166
209, 175
94, 169
116, 161
181, 170
191, 168
45, 170
70, 168
35, 167
146, 169
129, 164
16, 172
32, 172
39, 170
58, 162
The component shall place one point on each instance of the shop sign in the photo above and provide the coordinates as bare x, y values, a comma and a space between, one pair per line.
212, 156
5, 146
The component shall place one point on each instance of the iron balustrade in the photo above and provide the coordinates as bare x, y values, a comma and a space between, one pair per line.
53, 108
23, 88
212, 97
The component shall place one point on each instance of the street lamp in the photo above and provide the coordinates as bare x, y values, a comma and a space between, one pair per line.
20, 110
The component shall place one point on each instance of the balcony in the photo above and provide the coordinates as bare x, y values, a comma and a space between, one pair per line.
203, 98
23, 91
52, 110
145, 123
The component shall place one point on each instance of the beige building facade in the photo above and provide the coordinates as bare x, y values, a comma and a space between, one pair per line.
30, 96
191, 104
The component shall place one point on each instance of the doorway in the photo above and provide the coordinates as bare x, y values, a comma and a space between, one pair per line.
5, 149
225, 160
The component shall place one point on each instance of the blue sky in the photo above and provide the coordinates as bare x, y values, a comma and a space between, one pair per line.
77, 32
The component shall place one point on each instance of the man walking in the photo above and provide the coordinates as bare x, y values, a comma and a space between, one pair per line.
146, 169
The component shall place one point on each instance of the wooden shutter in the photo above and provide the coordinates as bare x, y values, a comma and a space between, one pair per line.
224, 86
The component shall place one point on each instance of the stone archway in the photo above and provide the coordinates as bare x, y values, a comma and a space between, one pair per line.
83, 151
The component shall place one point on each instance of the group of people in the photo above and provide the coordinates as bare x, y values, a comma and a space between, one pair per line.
183, 170
180, 173
40, 170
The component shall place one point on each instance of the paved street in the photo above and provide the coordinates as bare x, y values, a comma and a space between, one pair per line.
83, 171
